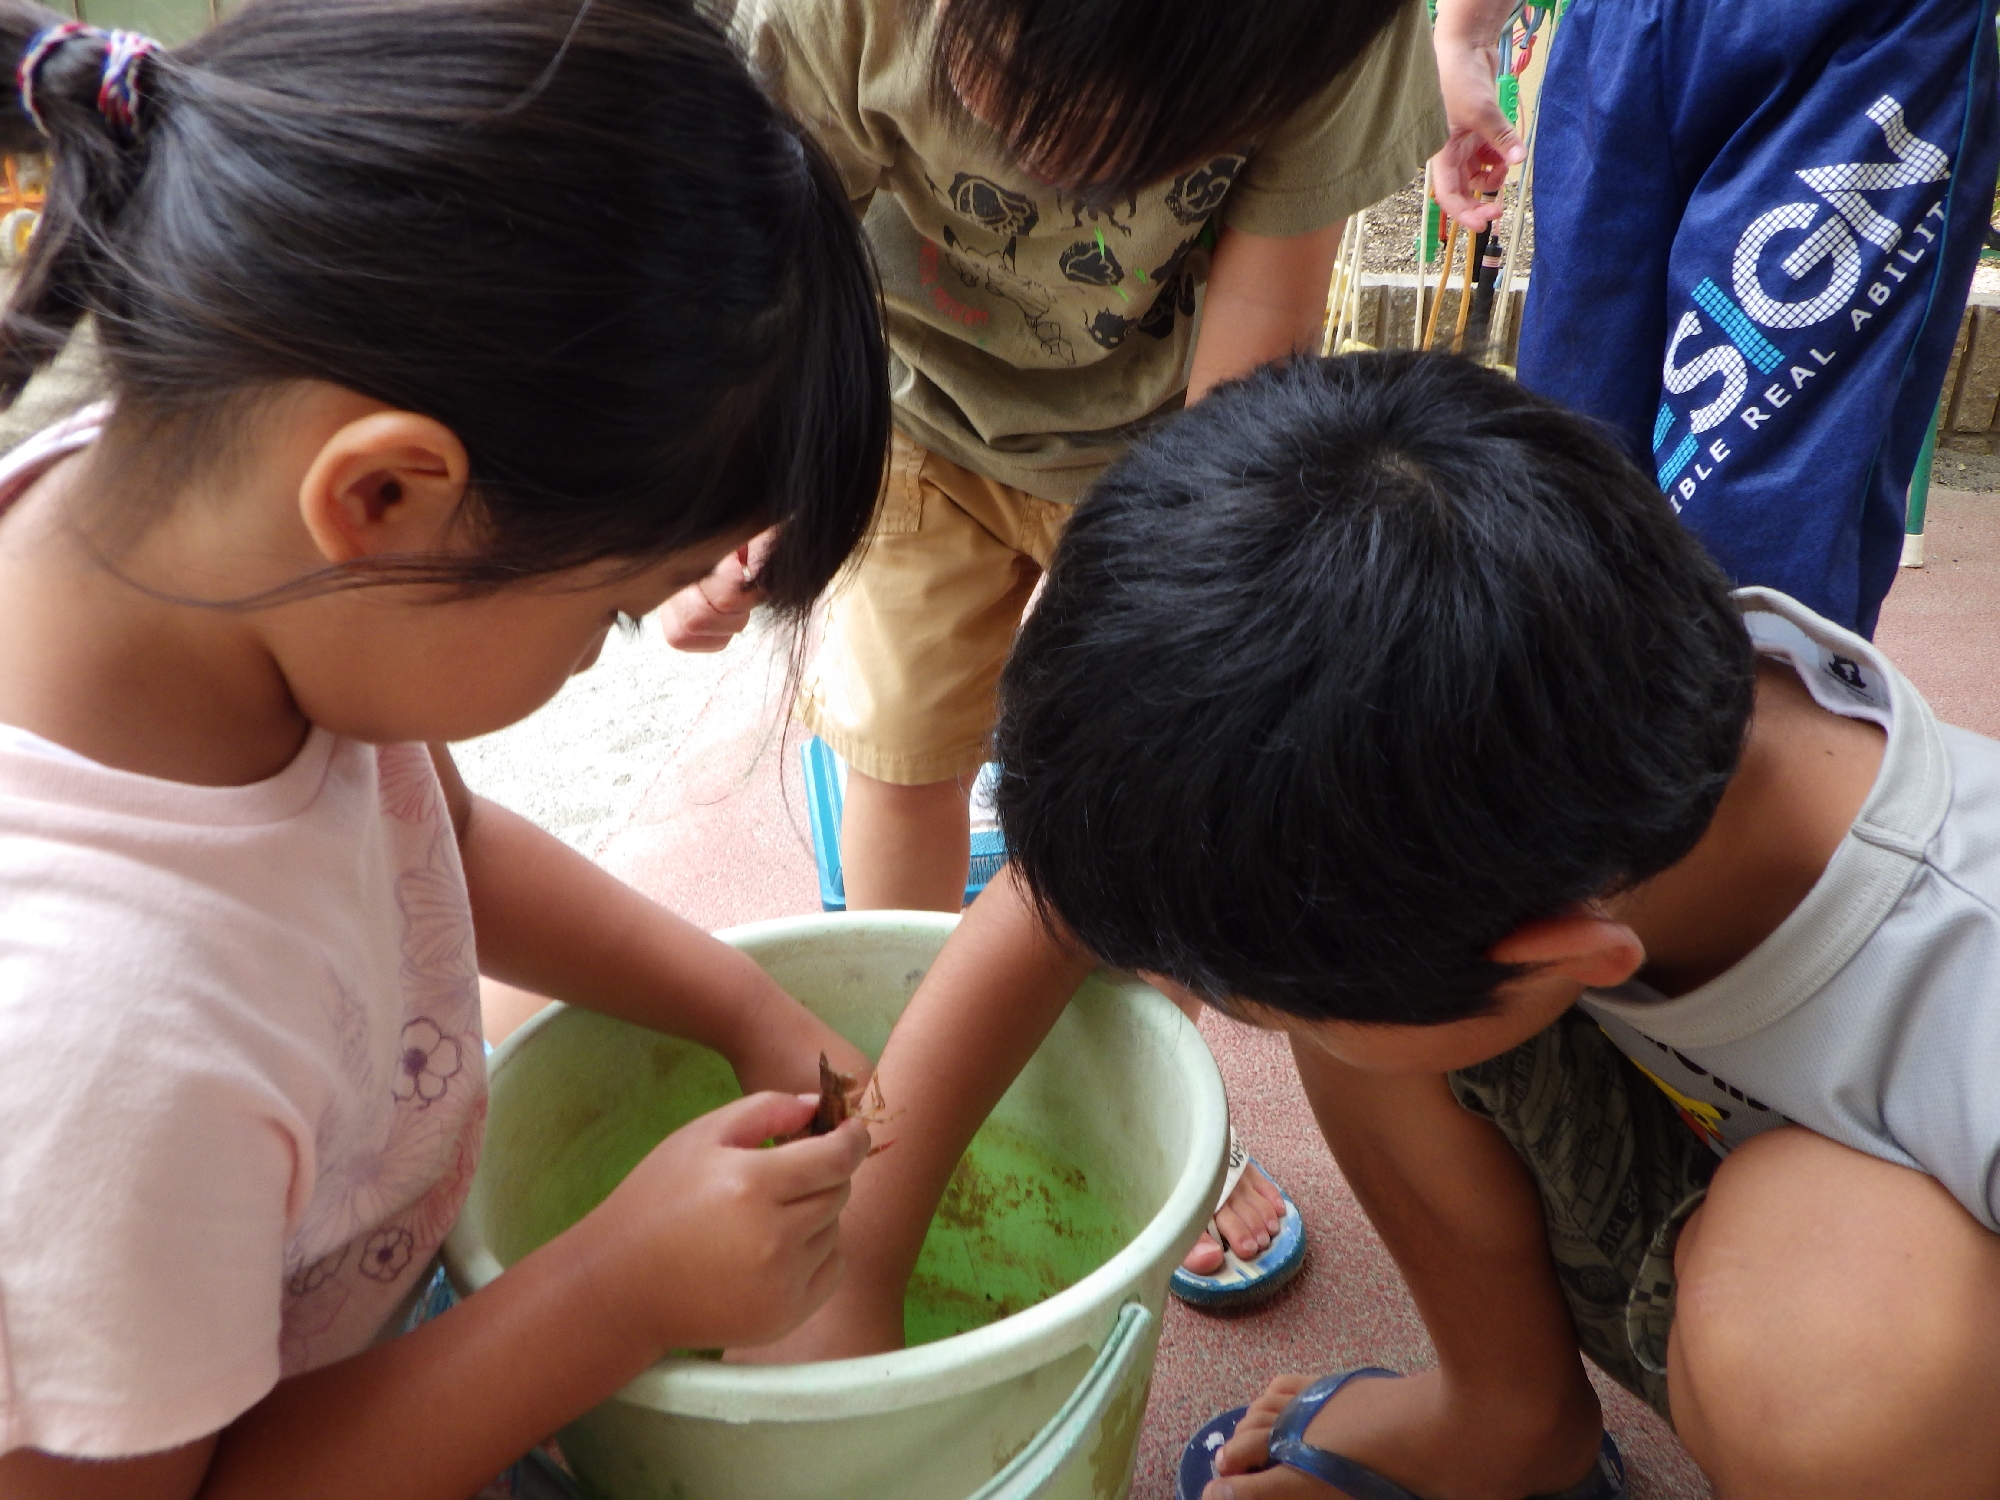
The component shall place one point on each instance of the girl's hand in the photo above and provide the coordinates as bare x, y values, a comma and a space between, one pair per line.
717, 1240
779, 1043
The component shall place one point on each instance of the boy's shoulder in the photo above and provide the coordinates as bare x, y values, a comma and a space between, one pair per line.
1868, 1015
1966, 851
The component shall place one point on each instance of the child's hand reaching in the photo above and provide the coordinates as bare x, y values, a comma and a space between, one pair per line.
715, 1239
708, 615
1483, 143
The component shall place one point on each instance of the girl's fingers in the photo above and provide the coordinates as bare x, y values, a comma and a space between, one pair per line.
751, 1121
807, 1216
804, 1169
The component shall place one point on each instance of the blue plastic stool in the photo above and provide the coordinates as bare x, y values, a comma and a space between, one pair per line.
826, 781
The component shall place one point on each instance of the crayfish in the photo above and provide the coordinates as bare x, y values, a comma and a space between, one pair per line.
840, 1101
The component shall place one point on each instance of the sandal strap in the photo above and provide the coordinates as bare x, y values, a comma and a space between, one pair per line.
1288, 1446
1605, 1482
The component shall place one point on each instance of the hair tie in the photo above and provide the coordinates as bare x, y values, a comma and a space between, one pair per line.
40, 50
118, 89
118, 83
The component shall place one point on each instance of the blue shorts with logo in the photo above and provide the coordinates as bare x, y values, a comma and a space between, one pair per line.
1755, 225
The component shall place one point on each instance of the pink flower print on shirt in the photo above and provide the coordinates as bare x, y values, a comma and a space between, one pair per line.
348, 1018
408, 781
439, 967
370, 1188
306, 1281
432, 1217
386, 1253
428, 1063
315, 1297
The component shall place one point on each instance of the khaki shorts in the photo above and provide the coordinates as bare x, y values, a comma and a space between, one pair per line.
1619, 1175
905, 683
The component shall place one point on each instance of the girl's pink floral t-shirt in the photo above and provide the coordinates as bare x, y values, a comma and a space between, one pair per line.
242, 1082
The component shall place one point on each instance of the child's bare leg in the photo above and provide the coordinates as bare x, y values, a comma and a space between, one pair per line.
905, 848
1509, 1411
1837, 1330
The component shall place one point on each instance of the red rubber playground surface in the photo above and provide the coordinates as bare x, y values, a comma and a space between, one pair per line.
720, 837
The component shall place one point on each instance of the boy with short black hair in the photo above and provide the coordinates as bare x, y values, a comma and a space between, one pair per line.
1381, 702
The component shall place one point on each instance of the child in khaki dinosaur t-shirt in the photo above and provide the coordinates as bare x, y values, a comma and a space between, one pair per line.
1078, 230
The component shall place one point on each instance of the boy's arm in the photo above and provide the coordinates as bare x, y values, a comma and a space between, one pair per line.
552, 922
1482, 144
1266, 299
997, 987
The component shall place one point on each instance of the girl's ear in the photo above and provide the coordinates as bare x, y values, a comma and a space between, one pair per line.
390, 482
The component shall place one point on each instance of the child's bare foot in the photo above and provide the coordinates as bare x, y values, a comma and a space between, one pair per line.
1249, 1221
1250, 1217
1415, 1433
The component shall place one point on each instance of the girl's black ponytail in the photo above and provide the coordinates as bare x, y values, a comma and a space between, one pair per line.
84, 96
573, 231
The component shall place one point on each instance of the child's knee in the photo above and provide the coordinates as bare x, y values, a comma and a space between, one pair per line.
1830, 1318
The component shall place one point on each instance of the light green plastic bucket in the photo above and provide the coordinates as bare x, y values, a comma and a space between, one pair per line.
1078, 1197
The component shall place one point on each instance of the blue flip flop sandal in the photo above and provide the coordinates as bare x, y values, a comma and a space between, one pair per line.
1290, 1448
1241, 1282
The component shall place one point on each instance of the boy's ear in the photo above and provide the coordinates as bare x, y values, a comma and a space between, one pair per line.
389, 482
1592, 950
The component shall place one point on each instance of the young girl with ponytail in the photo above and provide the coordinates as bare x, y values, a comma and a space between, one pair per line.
438, 336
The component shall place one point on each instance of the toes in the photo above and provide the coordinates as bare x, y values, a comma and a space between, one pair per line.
1205, 1259
1246, 1235
1249, 1447
1266, 1193
1276, 1396
1271, 1484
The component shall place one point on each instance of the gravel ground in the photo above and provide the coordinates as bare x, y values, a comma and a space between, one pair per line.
1978, 473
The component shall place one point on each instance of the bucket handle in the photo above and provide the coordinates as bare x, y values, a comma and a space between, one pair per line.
1036, 1466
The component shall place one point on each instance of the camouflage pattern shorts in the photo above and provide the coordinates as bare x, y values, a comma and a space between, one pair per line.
1619, 1174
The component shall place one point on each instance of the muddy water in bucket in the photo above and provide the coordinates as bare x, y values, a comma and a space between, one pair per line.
1017, 1224
1079, 1195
